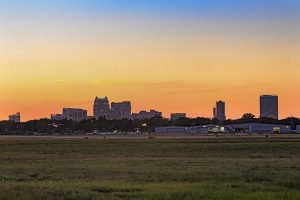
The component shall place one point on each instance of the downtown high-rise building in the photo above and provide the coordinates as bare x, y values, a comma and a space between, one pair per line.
101, 107
219, 111
117, 111
122, 109
269, 106
75, 114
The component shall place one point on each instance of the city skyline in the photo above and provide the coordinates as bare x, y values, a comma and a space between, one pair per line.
149, 99
159, 54
103, 108
214, 114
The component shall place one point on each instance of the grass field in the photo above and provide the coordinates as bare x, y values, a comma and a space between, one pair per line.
149, 169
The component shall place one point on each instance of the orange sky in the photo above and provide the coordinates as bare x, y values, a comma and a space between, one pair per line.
172, 65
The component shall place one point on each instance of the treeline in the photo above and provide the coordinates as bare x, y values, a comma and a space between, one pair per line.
46, 126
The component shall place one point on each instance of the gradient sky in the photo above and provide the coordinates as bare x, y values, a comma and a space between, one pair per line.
173, 56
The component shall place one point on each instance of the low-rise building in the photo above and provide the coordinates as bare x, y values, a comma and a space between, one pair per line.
172, 130
209, 129
15, 118
57, 117
199, 130
146, 115
251, 128
176, 116
260, 128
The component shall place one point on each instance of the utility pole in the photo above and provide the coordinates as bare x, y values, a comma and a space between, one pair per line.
292, 123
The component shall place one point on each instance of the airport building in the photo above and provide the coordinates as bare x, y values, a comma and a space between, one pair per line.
208, 129
176, 116
298, 129
15, 118
260, 128
172, 130
269, 106
250, 128
190, 130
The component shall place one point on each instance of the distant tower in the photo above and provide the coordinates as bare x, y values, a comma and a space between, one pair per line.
219, 111
101, 107
269, 106
215, 112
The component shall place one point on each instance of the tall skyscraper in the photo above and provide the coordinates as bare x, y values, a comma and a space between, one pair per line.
122, 109
101, 107
269, 106
219, 111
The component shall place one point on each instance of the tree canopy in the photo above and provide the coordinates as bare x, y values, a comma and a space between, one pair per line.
47, 126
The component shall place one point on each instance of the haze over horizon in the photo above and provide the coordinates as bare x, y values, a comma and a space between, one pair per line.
172, 56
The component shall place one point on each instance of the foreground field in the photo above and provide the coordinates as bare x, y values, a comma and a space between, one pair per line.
149, 169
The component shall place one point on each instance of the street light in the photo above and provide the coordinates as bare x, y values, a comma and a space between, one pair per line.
145, 126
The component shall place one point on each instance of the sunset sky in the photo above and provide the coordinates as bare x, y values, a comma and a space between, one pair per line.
169, 55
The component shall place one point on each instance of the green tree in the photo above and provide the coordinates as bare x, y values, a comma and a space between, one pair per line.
248, 116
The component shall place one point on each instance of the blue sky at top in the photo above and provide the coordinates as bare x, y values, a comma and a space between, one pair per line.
156, 7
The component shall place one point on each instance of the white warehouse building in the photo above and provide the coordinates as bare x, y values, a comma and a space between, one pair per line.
206, 129
235, 128
190, 130
260, 128
172, 130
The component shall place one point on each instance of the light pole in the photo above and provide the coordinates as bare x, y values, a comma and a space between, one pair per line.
144, 126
